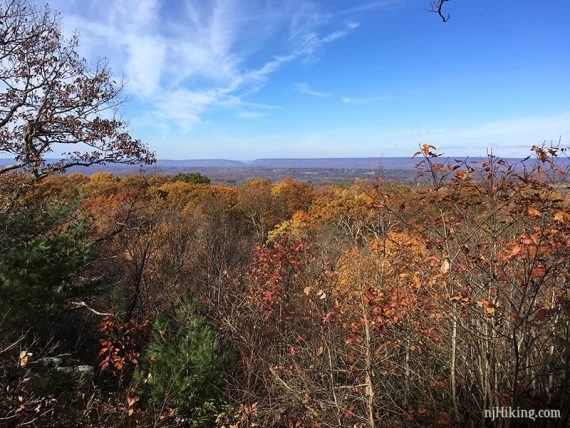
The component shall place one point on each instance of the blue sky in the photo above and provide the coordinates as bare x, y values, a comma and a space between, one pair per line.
246, 79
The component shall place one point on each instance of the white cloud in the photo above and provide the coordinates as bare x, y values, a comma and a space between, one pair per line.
185, 58
368, 7
144, 65
182, 107
358, 101
507, 136
304, 88
251, 114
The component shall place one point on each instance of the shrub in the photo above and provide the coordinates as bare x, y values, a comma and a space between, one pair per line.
42, 248
183, 367
192, 178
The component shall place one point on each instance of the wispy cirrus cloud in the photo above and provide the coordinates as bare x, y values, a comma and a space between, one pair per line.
358, 101
304, 88
368, 7
185, 59
251, 114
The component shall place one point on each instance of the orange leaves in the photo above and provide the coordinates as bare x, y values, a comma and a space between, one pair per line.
541, 153
131, 402
462, 175
414, 279
538, 271
22, 406
326, 317
426, 150
462, 298
534, 212
515, 251
487, 306
561, 216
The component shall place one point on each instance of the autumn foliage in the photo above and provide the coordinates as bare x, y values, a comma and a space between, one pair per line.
366, 305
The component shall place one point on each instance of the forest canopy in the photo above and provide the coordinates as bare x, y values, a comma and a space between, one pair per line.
160, 301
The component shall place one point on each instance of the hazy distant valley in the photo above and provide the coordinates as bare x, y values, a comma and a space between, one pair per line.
312, 170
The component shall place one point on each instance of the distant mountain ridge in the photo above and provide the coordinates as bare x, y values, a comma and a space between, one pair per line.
336, 163
202, 163
370, 164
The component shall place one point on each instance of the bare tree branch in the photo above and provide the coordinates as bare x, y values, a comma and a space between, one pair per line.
82, 304
436, 6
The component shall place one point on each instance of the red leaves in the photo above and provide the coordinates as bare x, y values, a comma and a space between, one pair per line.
326, 317
276, 269
131, 402
538, 271
544, 314
120, 346
426, 150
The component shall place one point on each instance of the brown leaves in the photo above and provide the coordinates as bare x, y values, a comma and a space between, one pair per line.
561, 216
24, 358
120, 347
426, 150
487, 306
445, 266
462, 175
534, 212
538, 271
462, 298
131, 402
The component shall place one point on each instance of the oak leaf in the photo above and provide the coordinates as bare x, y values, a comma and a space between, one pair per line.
534, 212
561, 216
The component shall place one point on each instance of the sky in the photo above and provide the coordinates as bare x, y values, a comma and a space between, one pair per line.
247, 79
